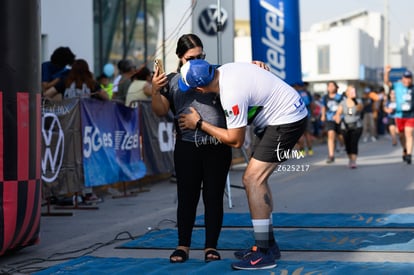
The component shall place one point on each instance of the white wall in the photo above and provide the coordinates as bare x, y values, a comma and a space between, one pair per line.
68, 23
343, 43
242, 49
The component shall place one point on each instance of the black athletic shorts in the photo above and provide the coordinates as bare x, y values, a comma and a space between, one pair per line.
332, 125
276, 142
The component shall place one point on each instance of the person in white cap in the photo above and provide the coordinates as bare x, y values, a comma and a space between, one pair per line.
249, 94
404, 111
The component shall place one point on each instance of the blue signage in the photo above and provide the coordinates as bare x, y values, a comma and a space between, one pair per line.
396, 73
111, 143
275, 32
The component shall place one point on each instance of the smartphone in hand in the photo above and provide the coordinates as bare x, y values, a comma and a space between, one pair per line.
158, 64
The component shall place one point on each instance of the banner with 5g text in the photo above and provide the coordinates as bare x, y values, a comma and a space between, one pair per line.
111, 143
88, 142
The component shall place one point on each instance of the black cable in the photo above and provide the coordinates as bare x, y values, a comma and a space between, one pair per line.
24, 266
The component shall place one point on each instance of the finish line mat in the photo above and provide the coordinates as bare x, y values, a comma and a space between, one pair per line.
292, 240
332, 220
127, 266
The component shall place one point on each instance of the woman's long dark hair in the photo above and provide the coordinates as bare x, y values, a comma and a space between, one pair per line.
80, 74
186, 42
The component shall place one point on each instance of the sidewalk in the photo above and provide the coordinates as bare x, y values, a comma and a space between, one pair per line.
382, 183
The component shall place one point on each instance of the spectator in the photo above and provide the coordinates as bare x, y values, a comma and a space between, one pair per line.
127, 70
379, 111
330, 103
119, 66
80, 82
55, 71
106, 85
404, 111
316, 115
369, 123
348, 116
140, 87
306, 138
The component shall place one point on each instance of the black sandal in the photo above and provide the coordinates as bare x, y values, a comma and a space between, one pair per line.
211, 255
179, 253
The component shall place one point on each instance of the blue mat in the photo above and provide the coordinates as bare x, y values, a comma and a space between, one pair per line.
292, 240
332, 220
127, 266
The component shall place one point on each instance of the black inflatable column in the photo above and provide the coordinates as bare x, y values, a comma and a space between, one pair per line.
20, 143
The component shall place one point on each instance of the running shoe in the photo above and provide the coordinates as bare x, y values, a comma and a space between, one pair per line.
310, 152
407, 158
274, 249
256, 260
352, 164
330, 160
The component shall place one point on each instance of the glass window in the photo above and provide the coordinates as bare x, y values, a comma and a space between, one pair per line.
126, 29
323, 59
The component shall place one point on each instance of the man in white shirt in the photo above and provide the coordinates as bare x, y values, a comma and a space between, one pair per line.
249, 94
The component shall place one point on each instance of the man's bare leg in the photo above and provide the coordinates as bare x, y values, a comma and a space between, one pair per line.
259, 195
408, 133
260, 201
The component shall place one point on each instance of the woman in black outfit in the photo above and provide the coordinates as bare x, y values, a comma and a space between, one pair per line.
348, 116
201, 162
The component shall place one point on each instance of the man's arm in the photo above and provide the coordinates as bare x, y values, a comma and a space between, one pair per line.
232, 137
337, 117
323, 113
387, 81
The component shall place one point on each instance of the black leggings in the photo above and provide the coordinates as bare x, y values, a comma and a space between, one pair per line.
203, 168
351, 139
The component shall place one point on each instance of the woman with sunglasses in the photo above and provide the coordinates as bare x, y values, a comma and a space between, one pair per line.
201, 161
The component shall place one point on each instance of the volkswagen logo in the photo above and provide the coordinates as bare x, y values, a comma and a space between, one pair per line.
208, 20
53, 143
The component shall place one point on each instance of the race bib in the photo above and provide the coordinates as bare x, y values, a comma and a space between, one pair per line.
407, 97
406, 106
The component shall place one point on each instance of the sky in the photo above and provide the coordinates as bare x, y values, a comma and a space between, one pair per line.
401, 12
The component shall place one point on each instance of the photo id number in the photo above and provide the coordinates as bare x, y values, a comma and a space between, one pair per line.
293, 168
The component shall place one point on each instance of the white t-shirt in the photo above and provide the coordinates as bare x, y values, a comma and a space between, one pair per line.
116, 83
136, 92
249, 93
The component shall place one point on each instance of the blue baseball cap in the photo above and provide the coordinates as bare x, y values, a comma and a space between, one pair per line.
408, 74
196, 73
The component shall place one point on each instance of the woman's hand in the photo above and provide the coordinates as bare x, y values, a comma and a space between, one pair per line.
158, 81
261, 64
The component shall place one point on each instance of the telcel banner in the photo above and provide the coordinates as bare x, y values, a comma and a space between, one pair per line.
275, 32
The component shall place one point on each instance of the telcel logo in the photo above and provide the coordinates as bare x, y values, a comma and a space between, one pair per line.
275, 39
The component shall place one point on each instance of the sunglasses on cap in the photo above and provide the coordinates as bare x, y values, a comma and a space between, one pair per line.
200, 56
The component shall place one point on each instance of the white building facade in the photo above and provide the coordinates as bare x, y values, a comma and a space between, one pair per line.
349, 50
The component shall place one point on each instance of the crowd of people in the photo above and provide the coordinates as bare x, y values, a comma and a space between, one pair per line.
214, 104
65, 76
371, 114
